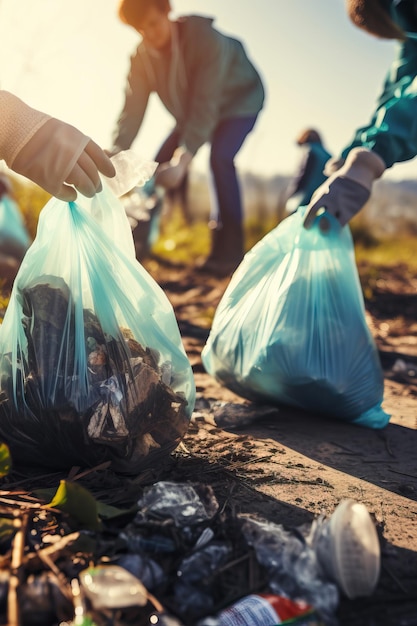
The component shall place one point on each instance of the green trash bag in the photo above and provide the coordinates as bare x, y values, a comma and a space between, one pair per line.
92, 365
291, 327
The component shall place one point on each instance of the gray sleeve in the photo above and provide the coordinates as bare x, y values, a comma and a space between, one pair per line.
137, 91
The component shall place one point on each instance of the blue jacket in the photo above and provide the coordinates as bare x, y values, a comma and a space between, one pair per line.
310, 174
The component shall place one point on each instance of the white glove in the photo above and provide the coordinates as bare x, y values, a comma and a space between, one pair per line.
170, 175
348, 189
51, 153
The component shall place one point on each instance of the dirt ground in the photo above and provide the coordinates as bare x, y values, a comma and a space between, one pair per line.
288, 465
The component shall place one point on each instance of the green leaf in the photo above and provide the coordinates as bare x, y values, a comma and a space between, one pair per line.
79, 503
45, 494
108, 511
5, 460
104, 511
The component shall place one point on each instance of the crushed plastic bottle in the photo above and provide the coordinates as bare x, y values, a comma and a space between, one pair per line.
293, 568
340, 553
265, 610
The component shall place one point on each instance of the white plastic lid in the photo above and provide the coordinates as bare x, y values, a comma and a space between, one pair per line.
354, 549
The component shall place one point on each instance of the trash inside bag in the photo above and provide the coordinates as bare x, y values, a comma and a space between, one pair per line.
92, 366
291, 327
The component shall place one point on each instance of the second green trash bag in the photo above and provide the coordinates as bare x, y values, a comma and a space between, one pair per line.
291, 327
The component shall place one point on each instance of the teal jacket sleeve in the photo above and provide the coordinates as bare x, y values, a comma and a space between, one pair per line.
392, 131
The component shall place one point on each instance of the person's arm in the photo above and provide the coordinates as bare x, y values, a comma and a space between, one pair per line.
51, 153
390, 137
170, 175
138, 89
392, 131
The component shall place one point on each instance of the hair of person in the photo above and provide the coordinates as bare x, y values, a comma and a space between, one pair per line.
308, 135
132, 12
373, 16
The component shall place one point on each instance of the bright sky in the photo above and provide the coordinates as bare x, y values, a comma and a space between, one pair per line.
70, 59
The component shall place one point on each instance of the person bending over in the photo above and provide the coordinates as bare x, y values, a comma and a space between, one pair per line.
213, 91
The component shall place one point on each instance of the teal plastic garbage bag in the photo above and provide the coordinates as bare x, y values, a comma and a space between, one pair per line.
92, 366
291, 327
14, 237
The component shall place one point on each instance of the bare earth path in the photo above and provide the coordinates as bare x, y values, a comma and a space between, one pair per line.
292, 465
288, 466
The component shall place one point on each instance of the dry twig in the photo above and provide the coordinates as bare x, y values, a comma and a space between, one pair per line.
13, 614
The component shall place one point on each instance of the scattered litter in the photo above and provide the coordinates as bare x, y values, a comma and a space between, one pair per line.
230, 415
182, 560
264, 610
403, 367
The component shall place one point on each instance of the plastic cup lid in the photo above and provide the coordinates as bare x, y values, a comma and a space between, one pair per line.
355, 549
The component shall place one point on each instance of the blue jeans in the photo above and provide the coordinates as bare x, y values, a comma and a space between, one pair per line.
228, 138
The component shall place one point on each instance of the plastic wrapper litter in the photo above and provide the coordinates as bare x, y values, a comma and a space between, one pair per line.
92, 365
291, 327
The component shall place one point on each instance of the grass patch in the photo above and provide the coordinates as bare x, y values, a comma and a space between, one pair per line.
375, 257
389, 252
256, 229
179, 241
